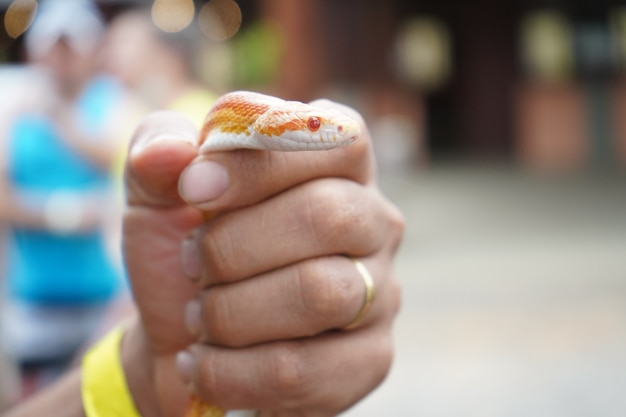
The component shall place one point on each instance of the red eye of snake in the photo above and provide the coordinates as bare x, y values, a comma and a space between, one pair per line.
313, 124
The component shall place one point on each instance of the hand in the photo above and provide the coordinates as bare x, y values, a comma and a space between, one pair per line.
268, 282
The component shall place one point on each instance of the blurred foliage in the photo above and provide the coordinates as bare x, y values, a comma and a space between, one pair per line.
257, 55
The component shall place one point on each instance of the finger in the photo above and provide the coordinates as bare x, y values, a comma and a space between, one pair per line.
320, 218
162, 146
306, 299
316, 373
253, 176
151, 248
155, 222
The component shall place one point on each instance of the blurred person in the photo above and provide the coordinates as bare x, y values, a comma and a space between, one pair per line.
22, 90
157, 72
155, 65
156, 68
54, 181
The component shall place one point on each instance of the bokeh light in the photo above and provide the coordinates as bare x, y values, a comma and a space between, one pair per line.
220, 19
618, 28
547, 46
423, 52
172, 15
19, 16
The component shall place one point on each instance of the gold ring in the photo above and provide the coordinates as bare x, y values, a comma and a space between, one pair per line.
369, 294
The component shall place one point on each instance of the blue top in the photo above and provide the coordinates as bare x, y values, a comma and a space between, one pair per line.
45, 267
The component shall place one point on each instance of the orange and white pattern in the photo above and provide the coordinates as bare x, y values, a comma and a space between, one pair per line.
255, 121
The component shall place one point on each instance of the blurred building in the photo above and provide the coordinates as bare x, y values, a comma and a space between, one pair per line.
537, 82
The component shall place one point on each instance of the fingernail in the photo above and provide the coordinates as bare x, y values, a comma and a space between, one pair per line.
193, 320
154, 139
202, 182
185, 364
190, 258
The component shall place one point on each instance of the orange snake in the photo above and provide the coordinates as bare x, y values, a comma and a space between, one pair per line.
255, 121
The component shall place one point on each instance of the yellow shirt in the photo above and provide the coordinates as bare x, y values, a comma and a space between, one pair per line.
194, 104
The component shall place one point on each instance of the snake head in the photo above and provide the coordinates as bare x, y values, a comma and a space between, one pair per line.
298, 126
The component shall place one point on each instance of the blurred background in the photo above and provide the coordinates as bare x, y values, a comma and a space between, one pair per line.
500, 131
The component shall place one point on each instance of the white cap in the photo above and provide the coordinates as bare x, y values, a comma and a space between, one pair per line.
77, 21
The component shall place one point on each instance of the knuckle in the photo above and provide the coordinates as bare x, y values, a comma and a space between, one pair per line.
287, 370
335, 215
384, 359
396, 226
325, 293
398, 222
217, 252
396, 296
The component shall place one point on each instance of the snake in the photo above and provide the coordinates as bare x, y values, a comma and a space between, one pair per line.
250, 120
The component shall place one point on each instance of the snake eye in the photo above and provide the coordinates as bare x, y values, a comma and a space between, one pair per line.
313, 124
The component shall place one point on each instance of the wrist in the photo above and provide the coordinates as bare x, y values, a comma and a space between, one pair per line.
139, 370
116, 376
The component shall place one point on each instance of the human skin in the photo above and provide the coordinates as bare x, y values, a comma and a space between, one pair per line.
248, 312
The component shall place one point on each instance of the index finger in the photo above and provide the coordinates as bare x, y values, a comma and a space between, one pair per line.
247, 177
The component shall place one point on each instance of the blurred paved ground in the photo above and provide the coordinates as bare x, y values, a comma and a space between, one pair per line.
514, 297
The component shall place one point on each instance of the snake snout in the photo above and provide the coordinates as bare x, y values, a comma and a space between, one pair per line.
351, 131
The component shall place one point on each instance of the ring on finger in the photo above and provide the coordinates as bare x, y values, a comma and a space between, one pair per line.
368, 298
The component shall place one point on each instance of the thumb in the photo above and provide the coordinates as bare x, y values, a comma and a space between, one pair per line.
162, 146
156, 221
